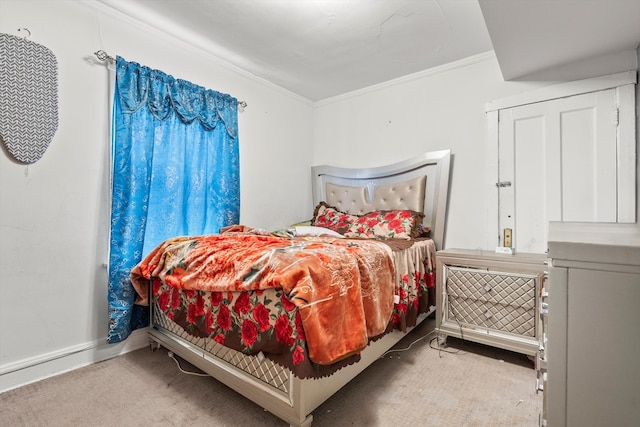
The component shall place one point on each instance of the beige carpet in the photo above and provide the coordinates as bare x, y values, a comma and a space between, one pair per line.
466, 385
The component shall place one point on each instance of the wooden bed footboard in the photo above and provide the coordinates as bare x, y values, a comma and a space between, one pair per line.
258, 379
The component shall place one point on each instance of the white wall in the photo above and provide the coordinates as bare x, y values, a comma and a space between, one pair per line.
432, 110
54, 214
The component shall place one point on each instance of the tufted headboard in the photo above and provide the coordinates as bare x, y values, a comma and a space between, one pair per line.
420, 184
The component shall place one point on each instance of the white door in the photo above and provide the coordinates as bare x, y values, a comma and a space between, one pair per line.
563, 160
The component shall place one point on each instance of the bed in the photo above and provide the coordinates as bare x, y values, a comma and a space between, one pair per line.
257, 309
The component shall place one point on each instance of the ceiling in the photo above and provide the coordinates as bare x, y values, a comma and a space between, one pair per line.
323, 48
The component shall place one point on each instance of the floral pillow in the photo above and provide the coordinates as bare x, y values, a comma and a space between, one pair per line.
393, 224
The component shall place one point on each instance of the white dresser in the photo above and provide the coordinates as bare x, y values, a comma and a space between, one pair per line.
591, 353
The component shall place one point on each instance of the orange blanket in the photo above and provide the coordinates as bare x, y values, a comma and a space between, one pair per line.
343, 288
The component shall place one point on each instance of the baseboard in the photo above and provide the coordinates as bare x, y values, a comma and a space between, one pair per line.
34, 369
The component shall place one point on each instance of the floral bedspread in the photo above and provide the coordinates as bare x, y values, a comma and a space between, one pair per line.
307, 303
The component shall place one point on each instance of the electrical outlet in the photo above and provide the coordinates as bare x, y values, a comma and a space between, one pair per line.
507, 237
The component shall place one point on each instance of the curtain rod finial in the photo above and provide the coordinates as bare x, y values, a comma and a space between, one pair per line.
104, 56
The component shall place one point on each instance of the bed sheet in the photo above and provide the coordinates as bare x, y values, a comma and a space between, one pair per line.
269, 317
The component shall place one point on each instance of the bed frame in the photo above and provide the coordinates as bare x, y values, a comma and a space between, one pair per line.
271, 386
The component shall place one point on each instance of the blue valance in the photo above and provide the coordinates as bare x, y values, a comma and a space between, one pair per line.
164, 95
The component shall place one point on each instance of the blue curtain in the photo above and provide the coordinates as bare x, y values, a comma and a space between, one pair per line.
175, 162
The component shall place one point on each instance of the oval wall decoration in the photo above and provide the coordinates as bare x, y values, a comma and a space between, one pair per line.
29, 100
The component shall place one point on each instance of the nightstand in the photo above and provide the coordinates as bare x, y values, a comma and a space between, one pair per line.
490, 298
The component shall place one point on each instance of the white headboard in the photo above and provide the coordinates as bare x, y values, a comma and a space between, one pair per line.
420, 184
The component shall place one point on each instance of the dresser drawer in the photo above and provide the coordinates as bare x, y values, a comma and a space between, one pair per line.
491, 315
517, 290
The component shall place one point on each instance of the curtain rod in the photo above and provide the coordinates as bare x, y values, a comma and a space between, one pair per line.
105, 57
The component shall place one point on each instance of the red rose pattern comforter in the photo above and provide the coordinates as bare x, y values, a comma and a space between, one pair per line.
308, 303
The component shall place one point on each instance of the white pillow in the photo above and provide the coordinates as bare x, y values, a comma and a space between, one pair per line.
311, 230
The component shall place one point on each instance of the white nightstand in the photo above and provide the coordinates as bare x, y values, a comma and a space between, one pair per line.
490, 298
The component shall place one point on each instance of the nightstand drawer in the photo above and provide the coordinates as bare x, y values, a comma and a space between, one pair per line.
517, 290
500, 317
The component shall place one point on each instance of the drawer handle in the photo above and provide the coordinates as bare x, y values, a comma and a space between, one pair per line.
540, 379
544, 308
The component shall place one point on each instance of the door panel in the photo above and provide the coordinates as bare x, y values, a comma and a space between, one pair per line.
560, 158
